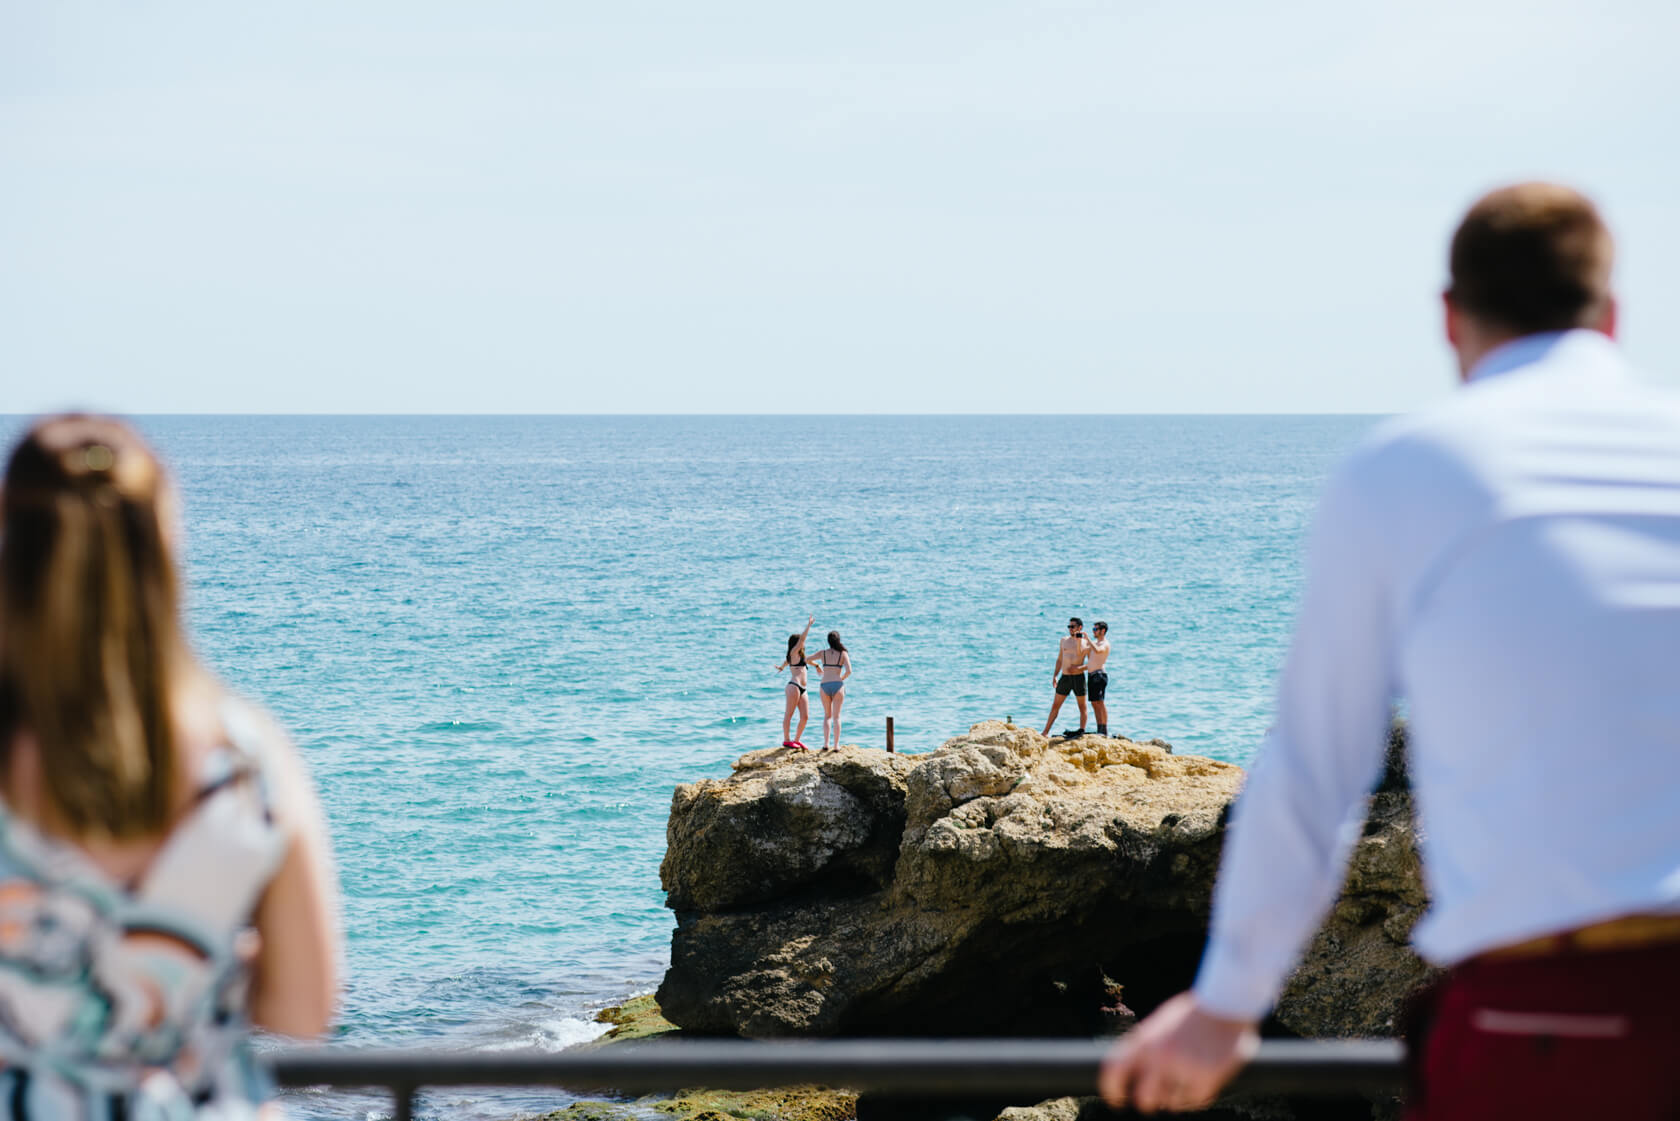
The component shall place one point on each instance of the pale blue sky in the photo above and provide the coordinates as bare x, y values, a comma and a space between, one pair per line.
949, 206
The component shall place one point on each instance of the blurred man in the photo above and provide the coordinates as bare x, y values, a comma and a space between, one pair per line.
1509, 563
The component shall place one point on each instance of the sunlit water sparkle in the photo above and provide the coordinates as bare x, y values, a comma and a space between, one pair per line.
501, 641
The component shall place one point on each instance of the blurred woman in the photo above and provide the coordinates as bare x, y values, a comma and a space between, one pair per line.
165, 880
836, 667
794, 690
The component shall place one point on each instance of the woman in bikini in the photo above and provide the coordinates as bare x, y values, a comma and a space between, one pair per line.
167, 876
836, 667
795, 664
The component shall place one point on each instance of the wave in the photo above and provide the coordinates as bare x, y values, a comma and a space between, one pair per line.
554, 1034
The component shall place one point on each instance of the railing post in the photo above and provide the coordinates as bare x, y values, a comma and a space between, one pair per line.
402, 1102
889, 735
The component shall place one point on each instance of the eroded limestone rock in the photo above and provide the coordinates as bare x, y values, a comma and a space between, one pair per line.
781, 822
971, 889
1004, 884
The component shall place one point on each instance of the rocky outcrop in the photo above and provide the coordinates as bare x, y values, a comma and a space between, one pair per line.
1003, 884
785, 823
1358, 970
978, 888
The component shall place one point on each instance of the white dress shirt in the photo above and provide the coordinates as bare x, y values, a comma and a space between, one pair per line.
1509, 564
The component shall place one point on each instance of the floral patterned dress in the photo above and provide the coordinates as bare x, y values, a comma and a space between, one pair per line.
127, 1001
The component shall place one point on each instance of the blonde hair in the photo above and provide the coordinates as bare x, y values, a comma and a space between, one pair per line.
90, 636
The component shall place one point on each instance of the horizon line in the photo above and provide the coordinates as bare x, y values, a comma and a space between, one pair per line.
701, 416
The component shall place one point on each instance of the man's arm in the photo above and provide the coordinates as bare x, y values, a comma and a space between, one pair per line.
1293, 826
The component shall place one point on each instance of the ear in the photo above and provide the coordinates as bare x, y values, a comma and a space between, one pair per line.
1607, 322
1449, 318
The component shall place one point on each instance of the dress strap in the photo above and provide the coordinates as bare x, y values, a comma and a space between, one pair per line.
220, 856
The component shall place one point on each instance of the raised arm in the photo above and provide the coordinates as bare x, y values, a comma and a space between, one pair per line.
803, 635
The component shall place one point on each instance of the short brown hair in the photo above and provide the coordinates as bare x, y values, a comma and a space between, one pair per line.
1532, 257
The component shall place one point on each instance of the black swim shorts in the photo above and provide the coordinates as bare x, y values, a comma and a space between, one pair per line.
1071, 683
1097, 680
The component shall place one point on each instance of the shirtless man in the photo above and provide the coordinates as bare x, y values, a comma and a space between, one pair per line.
1069, 675
1096, 677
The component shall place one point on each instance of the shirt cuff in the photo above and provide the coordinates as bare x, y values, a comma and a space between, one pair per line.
1232, 990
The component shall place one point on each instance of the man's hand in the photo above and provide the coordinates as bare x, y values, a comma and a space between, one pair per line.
1178, 1059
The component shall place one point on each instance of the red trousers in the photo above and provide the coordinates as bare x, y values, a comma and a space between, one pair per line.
1574, 1036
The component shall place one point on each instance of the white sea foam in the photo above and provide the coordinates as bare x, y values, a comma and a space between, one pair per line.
555, 1034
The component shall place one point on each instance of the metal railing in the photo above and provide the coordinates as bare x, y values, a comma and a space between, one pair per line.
1028, 1069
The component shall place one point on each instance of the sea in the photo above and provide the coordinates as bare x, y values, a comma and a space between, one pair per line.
501, 641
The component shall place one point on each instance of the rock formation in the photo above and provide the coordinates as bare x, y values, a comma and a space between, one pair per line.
1358, 970
1004, 884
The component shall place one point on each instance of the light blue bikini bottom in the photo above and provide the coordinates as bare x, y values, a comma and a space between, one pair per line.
830, 688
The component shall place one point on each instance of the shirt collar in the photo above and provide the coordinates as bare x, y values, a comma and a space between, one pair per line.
1531, 349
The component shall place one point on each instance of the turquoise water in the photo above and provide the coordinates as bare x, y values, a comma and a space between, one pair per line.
501, 641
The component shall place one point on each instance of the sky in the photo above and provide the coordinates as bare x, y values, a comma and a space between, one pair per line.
943, 206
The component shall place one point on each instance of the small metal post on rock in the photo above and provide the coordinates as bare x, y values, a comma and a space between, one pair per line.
889, 735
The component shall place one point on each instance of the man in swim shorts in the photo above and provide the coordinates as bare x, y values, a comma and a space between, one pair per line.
1096, 677
1069, 675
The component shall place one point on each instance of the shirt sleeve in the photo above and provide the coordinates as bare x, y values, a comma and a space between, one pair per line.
1300, 812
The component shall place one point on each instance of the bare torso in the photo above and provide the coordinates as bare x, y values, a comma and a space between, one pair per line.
833, 664
1096, 655
1073, 655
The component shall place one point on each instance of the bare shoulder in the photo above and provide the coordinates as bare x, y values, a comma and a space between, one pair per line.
249, 727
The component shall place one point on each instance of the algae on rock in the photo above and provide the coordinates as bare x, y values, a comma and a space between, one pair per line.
790, 1103
640, 1018
637, 1018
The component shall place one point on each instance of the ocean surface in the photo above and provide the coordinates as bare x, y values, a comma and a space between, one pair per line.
500, 642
